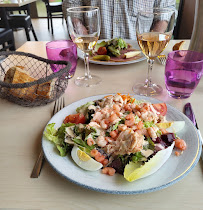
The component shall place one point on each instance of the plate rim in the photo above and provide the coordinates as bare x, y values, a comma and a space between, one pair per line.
127, 192
113, 63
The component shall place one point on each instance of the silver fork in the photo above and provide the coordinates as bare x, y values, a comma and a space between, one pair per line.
162, 59
58, 105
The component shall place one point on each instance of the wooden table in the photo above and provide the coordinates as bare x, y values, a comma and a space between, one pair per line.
20, 135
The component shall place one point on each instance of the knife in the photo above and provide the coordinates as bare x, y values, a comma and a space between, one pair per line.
190, 114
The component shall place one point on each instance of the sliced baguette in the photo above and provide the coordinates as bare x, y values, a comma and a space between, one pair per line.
44, 90
179, 46
18, 74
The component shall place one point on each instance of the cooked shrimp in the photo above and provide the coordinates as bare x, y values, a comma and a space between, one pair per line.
177, 153
99, 157
138, 113
109, 171
151, 132
109, 139
114, 134
90, 141
97, 116
180, 144
145, 108
130, 120
127, 107
94, 152
101, 142
103, 124
105, 162
143, 131
163, 130
116, 108
140, 125
137, 107
122, 127
113, 117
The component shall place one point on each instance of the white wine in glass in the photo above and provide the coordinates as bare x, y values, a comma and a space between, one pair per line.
154, 30
153, 43
84, 29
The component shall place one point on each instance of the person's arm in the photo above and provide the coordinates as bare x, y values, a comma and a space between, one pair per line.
68, 4
80, 27
161, 25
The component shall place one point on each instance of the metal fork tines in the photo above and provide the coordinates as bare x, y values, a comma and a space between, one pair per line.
162, 59
58, 105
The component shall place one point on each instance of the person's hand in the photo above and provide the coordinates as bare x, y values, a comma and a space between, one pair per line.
160, 26
79, 27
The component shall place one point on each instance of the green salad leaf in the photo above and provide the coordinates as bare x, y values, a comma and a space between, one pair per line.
57, 136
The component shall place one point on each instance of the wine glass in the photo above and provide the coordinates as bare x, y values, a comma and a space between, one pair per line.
84, 29
154, 30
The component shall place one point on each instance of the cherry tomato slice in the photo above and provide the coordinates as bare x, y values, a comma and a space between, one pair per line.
102, 51
75, 118
161, 108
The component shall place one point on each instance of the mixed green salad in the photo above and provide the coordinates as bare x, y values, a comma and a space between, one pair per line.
118, 134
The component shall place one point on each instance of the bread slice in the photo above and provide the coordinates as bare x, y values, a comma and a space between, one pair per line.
44, 90
18, 74
179, 46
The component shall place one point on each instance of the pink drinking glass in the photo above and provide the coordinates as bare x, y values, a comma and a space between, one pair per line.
64, 50
183, 72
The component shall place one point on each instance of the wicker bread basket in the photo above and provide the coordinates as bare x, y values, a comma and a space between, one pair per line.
40, 86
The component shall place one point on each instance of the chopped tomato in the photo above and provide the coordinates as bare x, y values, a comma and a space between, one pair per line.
75, 118
102, 51
161, 108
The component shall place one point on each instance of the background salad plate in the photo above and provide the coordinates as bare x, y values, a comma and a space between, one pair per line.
134, 45
171, 172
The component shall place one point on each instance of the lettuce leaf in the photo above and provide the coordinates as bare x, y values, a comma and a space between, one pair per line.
57, 136
51, 134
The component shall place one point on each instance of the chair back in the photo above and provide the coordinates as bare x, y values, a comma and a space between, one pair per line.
3, 20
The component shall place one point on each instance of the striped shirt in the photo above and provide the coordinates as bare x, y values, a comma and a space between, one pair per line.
118, 17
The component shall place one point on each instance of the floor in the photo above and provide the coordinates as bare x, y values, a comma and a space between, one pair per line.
40, 26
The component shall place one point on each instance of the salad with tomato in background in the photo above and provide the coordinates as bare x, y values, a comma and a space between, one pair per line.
116, 50
118, 134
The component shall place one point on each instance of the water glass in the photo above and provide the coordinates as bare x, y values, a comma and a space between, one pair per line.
183, 72
64, 50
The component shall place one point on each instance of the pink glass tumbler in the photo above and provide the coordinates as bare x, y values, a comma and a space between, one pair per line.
64, 50
183, 72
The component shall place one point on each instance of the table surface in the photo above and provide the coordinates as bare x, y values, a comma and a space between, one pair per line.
15, 3
21, 130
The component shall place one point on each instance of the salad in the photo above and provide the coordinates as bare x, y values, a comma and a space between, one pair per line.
118, 134
114, 50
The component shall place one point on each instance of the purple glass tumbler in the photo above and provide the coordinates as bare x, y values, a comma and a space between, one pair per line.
183, 72
62, 50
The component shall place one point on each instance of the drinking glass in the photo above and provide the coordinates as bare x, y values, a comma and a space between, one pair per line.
183, 72
62, 50
154, 29
84, 29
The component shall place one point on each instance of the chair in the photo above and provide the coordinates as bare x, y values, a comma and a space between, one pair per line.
185, 19
6, 34
17, 21
53, 9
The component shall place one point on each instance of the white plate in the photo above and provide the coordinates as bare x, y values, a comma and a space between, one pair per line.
133, 43
171, 172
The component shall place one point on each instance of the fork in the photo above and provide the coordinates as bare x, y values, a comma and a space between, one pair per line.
58, 105
162, 59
